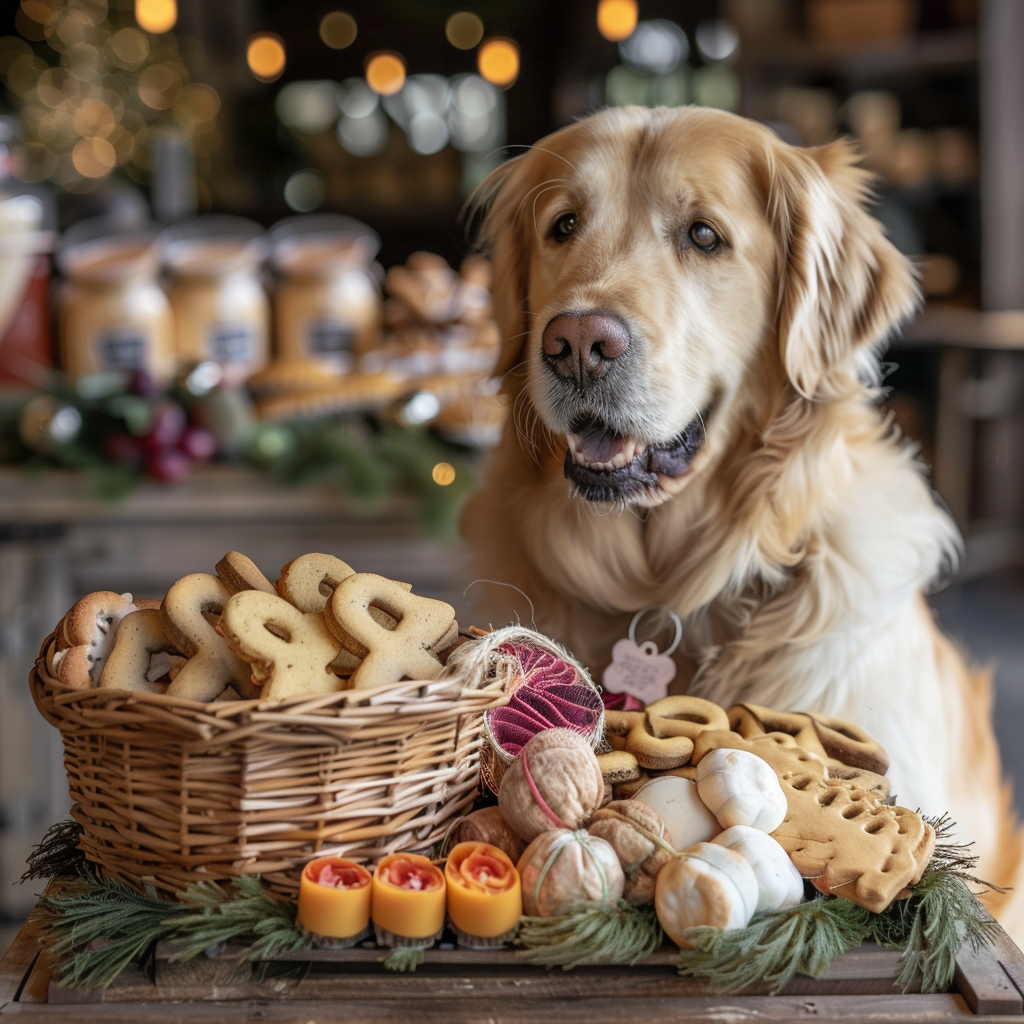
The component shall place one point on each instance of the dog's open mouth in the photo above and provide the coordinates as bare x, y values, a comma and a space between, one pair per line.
605, 466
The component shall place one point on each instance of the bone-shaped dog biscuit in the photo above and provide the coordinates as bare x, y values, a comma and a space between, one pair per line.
211, 664
139, 636
290, 651
389, 655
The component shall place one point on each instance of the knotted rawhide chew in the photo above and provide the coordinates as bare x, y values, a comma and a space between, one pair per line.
562, 868
238, 572
139, 636
290, 652
211, 664
554, 780
389, 655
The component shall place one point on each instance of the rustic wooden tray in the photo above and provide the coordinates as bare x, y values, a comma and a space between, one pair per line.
453, 985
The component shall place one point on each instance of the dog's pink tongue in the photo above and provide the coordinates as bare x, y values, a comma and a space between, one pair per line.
598, 444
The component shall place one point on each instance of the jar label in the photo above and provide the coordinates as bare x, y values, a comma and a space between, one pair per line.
123, 348
325, 337
231, 343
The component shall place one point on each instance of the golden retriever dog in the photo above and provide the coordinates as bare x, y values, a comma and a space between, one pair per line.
691, 311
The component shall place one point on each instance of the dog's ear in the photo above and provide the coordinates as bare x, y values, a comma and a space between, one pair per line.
491, 216
843, 285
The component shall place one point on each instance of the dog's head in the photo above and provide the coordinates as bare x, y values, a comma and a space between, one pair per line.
657, 270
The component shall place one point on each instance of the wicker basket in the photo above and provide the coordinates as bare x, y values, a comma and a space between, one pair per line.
170, 791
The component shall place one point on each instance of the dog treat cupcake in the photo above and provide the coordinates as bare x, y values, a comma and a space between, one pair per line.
334, 902
485, 899
408, 901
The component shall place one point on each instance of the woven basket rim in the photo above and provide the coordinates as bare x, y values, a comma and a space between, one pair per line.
409, 694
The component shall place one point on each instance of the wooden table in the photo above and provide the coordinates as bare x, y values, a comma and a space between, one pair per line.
452, 986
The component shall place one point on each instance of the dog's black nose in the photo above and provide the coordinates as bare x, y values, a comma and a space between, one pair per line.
583, 345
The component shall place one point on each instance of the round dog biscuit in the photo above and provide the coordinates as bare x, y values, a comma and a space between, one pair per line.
139, 636
211, 664
388, 655
238, 572
290, 651
618, 766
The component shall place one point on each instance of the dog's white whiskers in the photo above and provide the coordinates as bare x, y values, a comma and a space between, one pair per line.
551, 182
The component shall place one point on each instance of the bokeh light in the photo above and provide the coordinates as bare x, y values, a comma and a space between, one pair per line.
443, 474
428, 132
304, 191
156, 16
498, 62
338, 30
363, 136
308, 106
130, 46
656, 46
385, 73
93, 158
464, 30
717, 40
616, 19
265, 56
159, 86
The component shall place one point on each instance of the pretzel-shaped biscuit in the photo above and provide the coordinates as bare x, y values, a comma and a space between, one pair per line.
290, 651
308, 581
745, 719
850, 744
211, 664
389, 655
239, 572
139, 636
662, 736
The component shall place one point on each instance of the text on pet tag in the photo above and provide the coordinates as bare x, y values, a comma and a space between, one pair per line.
640, 669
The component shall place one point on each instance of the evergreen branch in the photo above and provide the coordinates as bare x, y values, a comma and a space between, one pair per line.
776, 945
99, 927
404, 958
58, 854
590, 933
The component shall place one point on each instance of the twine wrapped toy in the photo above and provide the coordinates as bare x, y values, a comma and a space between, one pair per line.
547, 688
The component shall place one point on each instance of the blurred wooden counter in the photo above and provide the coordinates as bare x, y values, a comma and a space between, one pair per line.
58, 543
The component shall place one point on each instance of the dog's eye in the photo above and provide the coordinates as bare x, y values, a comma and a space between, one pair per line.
703, 236
563, 227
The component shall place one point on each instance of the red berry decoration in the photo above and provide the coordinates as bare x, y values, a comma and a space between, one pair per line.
169, 423
198, 443
169, 466
142, 384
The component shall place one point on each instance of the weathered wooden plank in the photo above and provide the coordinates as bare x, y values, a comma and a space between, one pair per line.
933, 1009
18, 961
984, 984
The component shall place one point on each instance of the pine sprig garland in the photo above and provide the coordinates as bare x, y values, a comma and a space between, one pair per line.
776, 945
99, 927
590, 933
403, 959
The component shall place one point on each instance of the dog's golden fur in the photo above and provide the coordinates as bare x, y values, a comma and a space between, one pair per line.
796, 546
